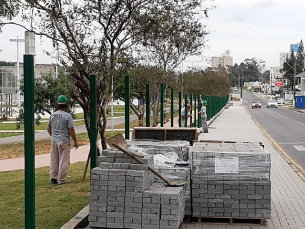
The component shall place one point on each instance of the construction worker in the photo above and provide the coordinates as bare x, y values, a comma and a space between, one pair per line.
60, 128
203, 113
188, 107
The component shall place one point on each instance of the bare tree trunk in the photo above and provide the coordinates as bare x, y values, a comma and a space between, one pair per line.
102, 123
138, 113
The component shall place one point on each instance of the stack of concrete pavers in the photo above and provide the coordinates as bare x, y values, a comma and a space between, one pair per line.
178, 174
161, 147
180, 147
230, 180
118, 199
163, 207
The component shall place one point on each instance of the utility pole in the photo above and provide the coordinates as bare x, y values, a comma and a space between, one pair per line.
241, 87
18, 70
293, 82
294, 67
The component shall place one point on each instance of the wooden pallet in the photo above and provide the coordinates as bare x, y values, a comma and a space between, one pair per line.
230, 220
180, 227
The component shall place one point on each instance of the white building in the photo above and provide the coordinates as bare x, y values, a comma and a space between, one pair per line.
276, 79
224, 61
283, 57
9, 77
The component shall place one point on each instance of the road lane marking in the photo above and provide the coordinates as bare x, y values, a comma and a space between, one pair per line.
291, 143
299, 148
289, 118
299, 169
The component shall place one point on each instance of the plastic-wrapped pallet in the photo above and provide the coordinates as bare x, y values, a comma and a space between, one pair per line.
162, 147
230, 180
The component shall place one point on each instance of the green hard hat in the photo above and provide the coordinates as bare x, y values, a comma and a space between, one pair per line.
62, 99
205, 102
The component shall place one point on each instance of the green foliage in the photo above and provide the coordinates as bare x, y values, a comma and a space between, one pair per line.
47, 89
208, 83
294, 64
4, 63
250, 70
8, 9
92, 35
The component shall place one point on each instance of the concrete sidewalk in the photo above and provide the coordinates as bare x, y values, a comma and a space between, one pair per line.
235, 124
288, 189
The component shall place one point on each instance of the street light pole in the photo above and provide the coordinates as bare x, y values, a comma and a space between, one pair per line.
18, 70
294, 67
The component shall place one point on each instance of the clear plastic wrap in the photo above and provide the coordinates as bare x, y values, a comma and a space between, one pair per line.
162, 147
230, 161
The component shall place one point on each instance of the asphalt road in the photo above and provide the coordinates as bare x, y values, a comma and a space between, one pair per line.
286, 127
78, 129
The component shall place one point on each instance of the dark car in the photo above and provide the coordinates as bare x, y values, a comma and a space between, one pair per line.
256, 104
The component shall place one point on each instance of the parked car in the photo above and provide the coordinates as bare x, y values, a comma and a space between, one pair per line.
272, 103
280, 101
234, 88
256, 104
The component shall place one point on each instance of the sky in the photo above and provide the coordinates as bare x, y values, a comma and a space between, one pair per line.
258, 29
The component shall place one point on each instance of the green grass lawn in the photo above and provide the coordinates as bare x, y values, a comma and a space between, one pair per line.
55, 204
42, 126
5, 135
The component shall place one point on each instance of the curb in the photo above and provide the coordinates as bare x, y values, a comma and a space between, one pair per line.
80, 220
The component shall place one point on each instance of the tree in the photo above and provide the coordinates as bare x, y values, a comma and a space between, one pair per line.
4, 63
46, 91
300, 58
233, 74
152, 75
289, 69
89, 35
210, 83
294, 64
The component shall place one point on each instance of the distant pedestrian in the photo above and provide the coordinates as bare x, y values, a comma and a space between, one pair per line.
203, 113
183, 114
60, 128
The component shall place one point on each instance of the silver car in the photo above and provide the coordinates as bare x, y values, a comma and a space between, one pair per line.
272, 103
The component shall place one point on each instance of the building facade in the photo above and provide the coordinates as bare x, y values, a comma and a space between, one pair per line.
283, 57
224, 60
9, 85
276, 79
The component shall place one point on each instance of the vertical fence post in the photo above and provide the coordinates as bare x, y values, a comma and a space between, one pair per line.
162, 106
147, 97
127, 107
195, 111
185, 111
29, 141
199, 109
191, 112
93, 122
172, 107
180, 109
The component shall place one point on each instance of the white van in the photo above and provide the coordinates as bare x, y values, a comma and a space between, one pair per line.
280, 101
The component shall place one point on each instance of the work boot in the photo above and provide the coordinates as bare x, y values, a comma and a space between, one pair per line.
54, 181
